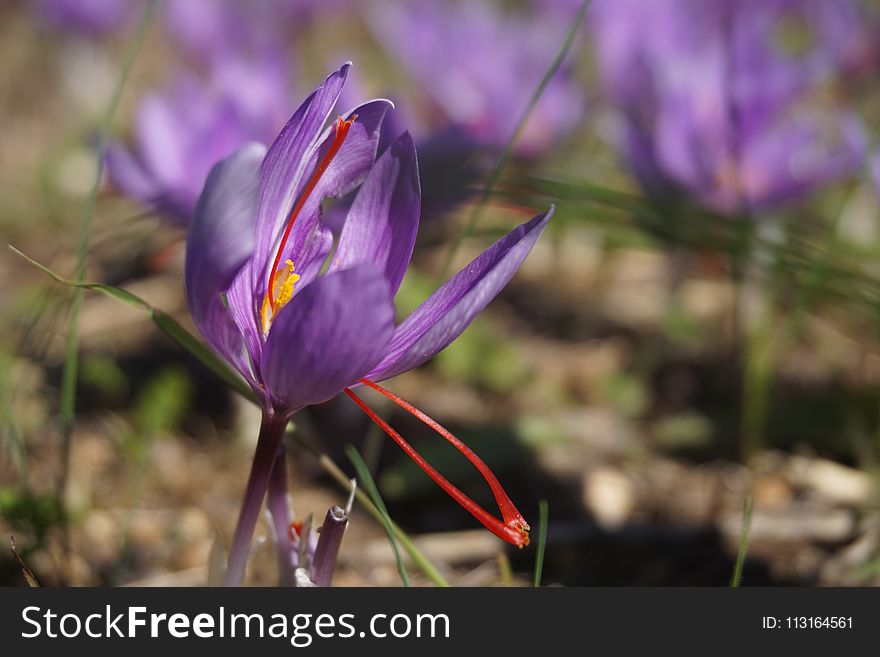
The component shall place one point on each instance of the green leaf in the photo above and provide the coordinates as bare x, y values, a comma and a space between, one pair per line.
366, 481
543, 513
736, 578
166, 323
71, 359
203, 353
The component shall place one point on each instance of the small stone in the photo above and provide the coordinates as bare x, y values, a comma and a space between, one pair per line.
833, 481
610, 496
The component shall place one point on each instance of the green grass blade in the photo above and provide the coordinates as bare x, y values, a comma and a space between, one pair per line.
543, 514
165, 322
202, 352
71, 359
329, 466
736, 579
68, 382
366, 480
115, 292
506, 153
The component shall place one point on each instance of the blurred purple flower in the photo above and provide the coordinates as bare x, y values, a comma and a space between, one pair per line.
182, 132
479, 67
205, 29
90, 17
258, 293
716, 103
212, 29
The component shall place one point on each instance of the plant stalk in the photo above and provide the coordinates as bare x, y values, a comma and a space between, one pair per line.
271, 434
278, 503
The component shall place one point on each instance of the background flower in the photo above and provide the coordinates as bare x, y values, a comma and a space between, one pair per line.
182, 131
715, 102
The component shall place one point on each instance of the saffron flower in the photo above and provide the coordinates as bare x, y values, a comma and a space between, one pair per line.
184, 130
492, 61
715, 103
299, 330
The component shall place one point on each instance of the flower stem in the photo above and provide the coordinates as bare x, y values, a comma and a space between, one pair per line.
277, 502
329, 541
271, 432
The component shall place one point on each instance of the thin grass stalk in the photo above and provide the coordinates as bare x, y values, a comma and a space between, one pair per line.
278, 504
373, 491
507, 151
271, 434
543, 517
736, 578
418, 557
71, 361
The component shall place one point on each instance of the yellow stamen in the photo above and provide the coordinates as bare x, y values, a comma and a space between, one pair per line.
282, 290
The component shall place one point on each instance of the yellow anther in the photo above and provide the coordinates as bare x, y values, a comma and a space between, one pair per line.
283, 281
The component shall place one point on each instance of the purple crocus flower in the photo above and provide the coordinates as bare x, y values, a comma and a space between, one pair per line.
217, 28
207, 29
715, 104
181, 133
93, 18
256, 251
480, 65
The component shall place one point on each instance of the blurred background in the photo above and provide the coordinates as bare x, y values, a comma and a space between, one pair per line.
699, 325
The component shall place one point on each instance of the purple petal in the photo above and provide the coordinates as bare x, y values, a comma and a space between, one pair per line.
220, 241
307, 239
348, 167
447, 312
313, 255
160, 132
806, 152
383, 221
327, 337
284, 169
128, 175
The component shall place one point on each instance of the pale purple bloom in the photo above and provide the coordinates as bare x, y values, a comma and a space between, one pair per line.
479, 66
328, 331
210, 28
713, 101
89, 17
204, 29
181, 132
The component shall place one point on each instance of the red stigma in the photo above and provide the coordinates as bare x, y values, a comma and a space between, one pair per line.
295, 530
514, 529
342, 127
